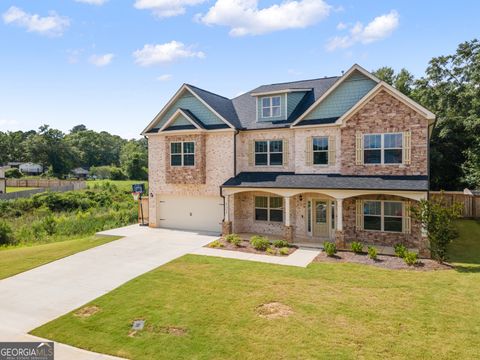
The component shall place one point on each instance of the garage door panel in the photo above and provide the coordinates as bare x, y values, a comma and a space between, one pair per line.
204, 213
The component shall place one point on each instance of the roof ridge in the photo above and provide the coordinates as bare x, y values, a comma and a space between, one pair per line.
296, 81
210, 92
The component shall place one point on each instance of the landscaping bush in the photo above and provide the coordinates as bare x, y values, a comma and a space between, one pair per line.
49, 225
259, 242
215, 244
6, 234
357, 247
271, 250
13, 173
372, 252
233, 239
284, 251
400, 250
280, 243
410, 258
330, 248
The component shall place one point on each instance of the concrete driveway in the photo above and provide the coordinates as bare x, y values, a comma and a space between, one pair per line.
32, 298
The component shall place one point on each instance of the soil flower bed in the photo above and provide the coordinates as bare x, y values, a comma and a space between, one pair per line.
383, 261
246, 246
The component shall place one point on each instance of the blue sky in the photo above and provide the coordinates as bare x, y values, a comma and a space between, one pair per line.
113, 64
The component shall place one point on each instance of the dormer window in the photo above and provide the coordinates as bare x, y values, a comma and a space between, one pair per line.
271, 106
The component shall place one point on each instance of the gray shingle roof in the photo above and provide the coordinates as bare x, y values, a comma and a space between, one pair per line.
327, 181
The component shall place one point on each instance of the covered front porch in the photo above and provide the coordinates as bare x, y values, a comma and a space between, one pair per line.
311, 216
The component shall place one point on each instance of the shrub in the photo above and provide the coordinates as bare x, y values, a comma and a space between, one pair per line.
259, 242
271, 250
233, 239
280, 243
215, 244
410, 258
13, 173
438, 217
372, 252
400, 250
49, 224
330, 248
284, 251
6, 234
357, 247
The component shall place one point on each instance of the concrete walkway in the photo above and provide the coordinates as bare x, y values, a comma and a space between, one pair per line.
301, 257
37, 296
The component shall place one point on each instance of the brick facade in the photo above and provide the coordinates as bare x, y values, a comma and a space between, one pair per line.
382, 114
186, 174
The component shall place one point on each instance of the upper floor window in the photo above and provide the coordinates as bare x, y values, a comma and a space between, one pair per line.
271, 106
320, 150
268, 152
383, 215
383, 148
269, 208
182, 153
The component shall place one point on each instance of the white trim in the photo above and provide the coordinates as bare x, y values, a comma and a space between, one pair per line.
382, 148
182, 153
188, 131
283, 91
173, 99
268, 208
320, 151
393, 92
175, 115
271, 106
355, 67
382, 215
268, 153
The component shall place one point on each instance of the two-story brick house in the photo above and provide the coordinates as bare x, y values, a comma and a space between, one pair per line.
337, 158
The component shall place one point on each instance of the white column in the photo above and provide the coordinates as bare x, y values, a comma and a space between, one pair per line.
227, 208
339, 214
287, 211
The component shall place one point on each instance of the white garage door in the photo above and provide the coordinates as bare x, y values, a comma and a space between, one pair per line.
204, 213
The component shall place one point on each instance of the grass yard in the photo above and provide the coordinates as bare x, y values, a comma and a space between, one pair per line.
12, 189
205, 308
17, 260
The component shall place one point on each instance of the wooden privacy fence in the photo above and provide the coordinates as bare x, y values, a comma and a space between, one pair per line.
28, 193
469, 199
45, 183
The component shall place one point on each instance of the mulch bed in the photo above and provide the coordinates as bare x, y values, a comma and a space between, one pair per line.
246, 247
383, 261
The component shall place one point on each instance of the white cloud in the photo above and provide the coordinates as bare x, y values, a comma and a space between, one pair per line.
52, 25
341, 26
245, 18
101, 60
165, 53
164, 77
379, 28
166, 8
92, 2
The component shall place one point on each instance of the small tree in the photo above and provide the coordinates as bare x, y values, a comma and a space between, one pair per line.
438, 218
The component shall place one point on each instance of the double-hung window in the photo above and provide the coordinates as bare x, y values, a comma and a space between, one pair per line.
383, 148
271, 106
320, 150
268, 152
269, 208
182, 153
383, 215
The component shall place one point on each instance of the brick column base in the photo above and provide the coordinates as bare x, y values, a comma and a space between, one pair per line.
288, 233
227, 228
423, 248
340, 240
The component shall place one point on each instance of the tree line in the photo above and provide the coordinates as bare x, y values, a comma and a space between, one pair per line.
106, 155
450, 88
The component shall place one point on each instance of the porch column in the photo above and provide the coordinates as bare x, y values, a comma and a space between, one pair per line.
227, 227
339, 234
288, 231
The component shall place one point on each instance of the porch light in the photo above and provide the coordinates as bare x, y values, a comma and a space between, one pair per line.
300, 197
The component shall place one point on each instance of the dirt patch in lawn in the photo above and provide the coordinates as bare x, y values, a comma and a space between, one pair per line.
171, 330
87, 311
383, 261
245, 246
274, 310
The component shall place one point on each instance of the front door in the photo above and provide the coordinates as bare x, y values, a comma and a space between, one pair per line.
321, 218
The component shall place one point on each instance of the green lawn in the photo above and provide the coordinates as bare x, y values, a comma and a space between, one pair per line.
11, 189
17, 260
340, 311
125, 185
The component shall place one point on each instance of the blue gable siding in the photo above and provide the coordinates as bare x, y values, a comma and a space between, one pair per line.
180, 120
276, 118
190, 102
292, 101
343, 97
